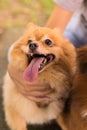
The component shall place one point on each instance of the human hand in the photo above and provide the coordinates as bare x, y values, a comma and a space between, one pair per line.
33, 91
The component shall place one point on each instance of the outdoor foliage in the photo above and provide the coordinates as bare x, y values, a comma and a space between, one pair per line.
16, 13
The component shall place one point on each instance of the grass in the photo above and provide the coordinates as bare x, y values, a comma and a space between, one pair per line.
4, 4
25, 2
47, 5
17, 11
10, 24
36, 11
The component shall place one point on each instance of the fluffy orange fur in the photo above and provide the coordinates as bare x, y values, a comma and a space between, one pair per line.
75, 113
58, 75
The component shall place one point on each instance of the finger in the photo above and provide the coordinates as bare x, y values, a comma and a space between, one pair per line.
39, 89
38, 93
38, 99
29, 87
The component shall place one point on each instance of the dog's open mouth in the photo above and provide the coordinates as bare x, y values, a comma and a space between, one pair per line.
44, 59
37, 63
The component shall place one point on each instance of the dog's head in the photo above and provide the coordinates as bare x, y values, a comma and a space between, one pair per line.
39, 49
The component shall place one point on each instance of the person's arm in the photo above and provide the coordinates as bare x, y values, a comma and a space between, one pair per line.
59, 18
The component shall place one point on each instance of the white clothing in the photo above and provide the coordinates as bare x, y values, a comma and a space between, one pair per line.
71, 5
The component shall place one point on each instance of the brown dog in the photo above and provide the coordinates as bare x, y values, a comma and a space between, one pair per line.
75, 112
47, 58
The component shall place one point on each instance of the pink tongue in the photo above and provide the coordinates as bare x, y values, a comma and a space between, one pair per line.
31, 71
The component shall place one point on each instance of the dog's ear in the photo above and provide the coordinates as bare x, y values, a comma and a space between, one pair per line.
56, 30
82, 59
31, 26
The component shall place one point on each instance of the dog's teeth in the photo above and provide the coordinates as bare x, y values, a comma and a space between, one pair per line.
39, 67
44, 61
31, 54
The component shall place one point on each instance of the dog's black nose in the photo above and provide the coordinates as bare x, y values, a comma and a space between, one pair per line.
33, 46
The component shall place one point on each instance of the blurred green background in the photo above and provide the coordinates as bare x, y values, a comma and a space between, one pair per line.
16, 13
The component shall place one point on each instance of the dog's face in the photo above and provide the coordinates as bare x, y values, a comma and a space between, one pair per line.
39, 49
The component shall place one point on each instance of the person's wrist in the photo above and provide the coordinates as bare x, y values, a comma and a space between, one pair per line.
59, 18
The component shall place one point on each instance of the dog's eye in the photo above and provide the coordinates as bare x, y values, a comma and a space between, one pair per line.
48, 42
29, 41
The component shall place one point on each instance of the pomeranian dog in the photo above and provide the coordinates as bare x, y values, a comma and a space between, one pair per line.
75, 113
45, 57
